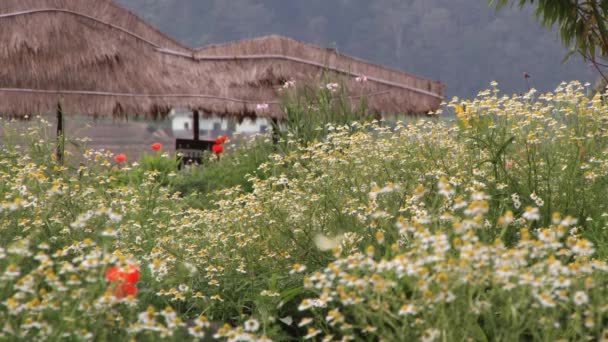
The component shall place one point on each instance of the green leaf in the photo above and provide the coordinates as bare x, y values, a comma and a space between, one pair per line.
477, 333
568, 55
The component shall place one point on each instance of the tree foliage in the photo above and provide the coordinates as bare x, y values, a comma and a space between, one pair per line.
582, 24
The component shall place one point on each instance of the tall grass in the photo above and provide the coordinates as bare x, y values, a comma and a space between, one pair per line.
312, 110
490, 227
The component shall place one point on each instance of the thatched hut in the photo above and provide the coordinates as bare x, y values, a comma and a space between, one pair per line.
95, 57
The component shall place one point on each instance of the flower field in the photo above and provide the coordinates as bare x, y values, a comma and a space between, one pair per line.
490, 225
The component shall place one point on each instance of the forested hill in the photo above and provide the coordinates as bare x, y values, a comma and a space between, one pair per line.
464, 43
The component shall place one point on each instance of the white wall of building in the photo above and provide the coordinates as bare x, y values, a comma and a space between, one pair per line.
209, 127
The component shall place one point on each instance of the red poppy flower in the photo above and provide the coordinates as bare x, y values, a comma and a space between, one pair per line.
221, 139
113, 273
119, 158
156, 146
125, 289
217, 148
129, 274
126, 278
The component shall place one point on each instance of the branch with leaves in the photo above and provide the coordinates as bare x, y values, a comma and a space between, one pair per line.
582, 24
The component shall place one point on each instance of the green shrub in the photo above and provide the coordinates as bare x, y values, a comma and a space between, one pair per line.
231, 169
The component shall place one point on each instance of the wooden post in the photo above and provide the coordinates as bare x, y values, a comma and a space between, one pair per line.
275, 131
195, 125
60, 134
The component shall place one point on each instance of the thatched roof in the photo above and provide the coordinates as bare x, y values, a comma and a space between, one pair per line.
97, 58
273, 58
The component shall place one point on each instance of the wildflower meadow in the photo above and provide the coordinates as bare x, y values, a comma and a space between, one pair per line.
484, 222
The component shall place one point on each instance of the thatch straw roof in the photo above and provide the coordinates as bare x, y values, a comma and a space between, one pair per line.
97, 58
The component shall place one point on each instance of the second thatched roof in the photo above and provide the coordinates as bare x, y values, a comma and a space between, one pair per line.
272, 59
95, 57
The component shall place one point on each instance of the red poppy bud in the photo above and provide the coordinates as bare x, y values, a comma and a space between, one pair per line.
526, 75
119, 158
156, 146
217, 148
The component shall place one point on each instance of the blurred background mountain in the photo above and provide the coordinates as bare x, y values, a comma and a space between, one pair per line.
464, 43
